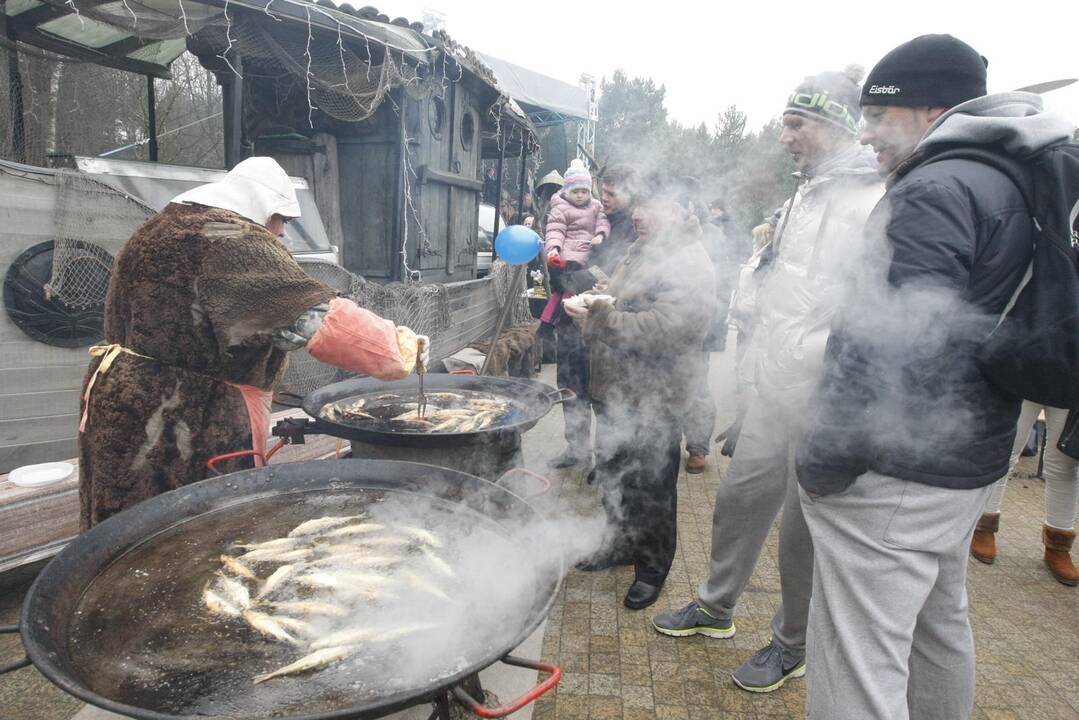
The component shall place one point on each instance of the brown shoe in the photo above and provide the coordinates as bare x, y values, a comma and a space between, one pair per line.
983, 546
695, 463
1058, 545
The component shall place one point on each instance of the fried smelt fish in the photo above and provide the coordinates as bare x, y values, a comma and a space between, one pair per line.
275, 554
311, 607
268, 626
359, 529
236, 567
348, 636
314, 661
280, 544
234, 591
425, 586
296, 626
394, 633
344, 581
277, 577
217, 604
439, 564
318, 525
422, 535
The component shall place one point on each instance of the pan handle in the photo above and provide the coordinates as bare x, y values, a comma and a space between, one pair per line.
561, 395
482, 711
528, 473
18, 664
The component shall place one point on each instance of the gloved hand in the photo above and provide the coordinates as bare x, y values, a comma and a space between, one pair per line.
554, 259
424, 358
598, 239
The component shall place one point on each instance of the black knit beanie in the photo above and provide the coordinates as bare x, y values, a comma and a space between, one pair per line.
928, 71
831, 97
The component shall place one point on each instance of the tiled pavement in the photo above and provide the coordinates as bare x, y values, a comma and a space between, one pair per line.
617, 667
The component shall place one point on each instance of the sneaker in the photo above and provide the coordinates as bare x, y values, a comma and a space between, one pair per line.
693, 620
568, 459
769, 669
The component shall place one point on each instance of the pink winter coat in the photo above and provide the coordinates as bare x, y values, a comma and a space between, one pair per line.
571, 228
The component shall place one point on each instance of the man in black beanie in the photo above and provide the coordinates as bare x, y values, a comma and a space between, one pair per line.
908, 435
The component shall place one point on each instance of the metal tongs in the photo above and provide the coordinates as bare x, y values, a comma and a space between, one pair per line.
421, 370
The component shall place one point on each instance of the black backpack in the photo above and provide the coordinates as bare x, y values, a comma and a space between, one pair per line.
1034, 351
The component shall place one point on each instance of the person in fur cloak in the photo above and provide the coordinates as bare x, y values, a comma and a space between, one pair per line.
204, 303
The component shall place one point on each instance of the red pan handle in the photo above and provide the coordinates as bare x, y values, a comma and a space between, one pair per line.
529, 473
212, 462
531, 696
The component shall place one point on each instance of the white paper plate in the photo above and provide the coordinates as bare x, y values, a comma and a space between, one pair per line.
41, 474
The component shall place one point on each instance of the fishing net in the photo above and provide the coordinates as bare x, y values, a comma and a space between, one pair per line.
93, 221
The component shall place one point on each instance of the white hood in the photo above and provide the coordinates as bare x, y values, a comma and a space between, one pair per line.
257, 188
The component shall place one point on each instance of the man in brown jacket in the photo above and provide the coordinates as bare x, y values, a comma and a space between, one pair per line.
644, 347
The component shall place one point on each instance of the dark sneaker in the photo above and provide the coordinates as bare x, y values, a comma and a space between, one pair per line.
568, 459
769, 669
693, 620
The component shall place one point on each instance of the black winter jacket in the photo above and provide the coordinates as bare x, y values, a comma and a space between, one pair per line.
901, 394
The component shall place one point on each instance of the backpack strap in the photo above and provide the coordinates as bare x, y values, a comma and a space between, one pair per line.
1015, 169
1021, 176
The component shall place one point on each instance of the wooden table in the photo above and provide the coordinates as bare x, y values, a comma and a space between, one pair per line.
36, 523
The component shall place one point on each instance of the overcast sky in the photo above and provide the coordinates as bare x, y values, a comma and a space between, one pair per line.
712, 54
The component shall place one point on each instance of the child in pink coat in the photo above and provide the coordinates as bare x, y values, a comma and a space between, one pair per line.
575, 223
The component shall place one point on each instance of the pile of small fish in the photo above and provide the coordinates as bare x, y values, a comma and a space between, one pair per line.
323, 570
447, 412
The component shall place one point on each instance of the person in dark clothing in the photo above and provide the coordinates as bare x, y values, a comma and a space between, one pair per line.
644, 348
909, 435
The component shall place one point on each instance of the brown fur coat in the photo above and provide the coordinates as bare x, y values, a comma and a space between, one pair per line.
200, 291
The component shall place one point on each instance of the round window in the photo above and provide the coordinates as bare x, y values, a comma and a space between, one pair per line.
436, 116
468, 131
46, 318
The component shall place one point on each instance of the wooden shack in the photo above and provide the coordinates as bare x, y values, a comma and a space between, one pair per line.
386, 124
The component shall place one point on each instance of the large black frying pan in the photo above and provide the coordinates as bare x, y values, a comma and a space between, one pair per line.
116, 618
530, 401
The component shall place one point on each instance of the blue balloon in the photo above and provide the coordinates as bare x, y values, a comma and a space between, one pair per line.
517, 245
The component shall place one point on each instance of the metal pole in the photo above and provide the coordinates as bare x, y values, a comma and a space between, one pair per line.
521, 192
151, 116
232, 97
504, 313
498, 171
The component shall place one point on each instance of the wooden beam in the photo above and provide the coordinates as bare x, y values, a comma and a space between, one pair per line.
151, 116
61, 47
232, 99
430, 175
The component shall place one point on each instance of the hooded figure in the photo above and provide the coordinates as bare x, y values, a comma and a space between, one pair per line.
203, 304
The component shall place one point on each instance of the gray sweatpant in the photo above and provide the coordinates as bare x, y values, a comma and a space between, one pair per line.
889, 637
760, 480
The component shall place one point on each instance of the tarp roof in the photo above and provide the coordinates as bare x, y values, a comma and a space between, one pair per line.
533, 89
146, 36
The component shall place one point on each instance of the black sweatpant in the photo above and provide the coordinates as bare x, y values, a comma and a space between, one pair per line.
637, 465
572, 373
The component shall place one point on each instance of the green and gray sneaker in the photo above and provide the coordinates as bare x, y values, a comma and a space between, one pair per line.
693, 620
769, 669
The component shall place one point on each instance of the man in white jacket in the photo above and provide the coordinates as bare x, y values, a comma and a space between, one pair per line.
817, 246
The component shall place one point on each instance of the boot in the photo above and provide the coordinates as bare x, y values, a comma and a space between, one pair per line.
695, 463
983, 546
1058, 544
